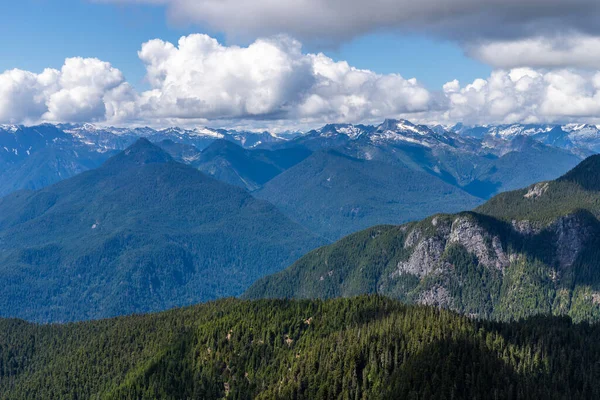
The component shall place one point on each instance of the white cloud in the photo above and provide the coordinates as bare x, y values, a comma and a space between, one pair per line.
77, 92
272, 82
269, 79
525, 95
200, 80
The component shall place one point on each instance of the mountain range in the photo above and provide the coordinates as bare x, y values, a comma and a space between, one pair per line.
100, 223
333, 170
525, 252
140, 233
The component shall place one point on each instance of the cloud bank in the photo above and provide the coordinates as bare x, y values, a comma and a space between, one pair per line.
200, 79
515, 25
272, 82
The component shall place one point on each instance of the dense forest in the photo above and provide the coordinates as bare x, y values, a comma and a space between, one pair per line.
141, 233
527, 252
360, 348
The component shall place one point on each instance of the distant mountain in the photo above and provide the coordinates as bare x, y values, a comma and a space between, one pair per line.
480, 166
576, 137
37, 156
47, 166
184, 153
140, 233
249, 169
530, 251
334, 194
119, 138
364, 348
520, 162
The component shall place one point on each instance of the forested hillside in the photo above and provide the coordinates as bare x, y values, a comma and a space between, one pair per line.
361, 348
334, 194
531, 251
141, 233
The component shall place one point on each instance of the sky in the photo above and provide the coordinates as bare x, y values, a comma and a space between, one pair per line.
288, 64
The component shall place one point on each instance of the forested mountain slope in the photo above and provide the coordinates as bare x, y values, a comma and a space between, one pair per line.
140, 233
361, 348
531, 251
334, 194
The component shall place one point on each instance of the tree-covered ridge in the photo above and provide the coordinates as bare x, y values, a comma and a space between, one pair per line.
522, 253
544, 202
334, 194
141, 233
360, 348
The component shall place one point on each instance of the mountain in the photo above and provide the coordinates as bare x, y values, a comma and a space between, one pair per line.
530, 251
362, 348
36, 156
228, 162
140, 233
119, 138
520, 162
454, 157
184, 153
481, 166
334, 195
580, 138
47, 166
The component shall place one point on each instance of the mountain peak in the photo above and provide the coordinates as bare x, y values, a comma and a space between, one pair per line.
586, 174
142, 152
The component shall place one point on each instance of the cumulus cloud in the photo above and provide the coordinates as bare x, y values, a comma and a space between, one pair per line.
77, 92
482, 26
199, 79
272, 82
525, 95
269, 79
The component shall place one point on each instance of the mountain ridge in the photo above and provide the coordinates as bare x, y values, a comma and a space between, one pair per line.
141, 233
529, 251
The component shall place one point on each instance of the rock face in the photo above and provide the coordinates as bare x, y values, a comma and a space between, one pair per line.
572, 235
488, 249
427, 250
537, 190
436, 296
424, 259
526, 227
429, 242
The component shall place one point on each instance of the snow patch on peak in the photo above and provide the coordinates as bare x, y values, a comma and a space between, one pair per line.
207, 132
10, 128
404, 125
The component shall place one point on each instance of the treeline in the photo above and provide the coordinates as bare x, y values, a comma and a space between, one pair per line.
362, 348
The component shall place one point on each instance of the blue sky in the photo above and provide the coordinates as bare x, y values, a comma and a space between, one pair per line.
256, 64
57, 29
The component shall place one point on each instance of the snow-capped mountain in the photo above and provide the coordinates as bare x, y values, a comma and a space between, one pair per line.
580, 138
481, 160
105, 138
392, 132
351, 131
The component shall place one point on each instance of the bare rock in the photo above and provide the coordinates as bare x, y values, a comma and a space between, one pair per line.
424, 259
412, 238
537, 190
488, 249
572, 234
